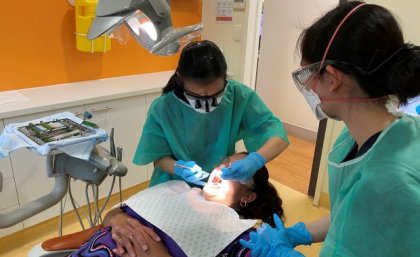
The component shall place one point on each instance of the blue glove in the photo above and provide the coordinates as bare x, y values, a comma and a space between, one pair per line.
270, 242
298, 235
244, 169
190, 172
257, 245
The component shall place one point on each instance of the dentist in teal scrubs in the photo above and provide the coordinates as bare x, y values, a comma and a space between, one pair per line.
200, 117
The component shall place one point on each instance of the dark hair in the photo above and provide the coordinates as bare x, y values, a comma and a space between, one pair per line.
201, 62
267, 201
371, 41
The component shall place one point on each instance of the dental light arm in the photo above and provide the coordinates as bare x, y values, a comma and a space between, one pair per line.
149, 21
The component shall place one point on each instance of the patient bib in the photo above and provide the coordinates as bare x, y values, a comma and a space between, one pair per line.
200, 228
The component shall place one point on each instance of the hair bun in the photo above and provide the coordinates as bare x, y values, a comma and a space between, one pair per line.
404, 73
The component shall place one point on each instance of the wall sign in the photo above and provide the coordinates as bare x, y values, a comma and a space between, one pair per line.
224, 11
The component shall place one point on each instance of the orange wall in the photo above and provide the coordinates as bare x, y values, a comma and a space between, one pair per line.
38, 48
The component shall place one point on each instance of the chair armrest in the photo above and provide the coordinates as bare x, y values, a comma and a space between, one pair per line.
71, 241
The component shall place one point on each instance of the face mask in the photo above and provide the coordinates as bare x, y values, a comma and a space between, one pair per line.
315, 103
204, 104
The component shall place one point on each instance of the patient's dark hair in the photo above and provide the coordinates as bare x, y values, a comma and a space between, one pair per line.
267, 201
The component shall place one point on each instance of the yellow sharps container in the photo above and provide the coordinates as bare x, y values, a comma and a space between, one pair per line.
85, 13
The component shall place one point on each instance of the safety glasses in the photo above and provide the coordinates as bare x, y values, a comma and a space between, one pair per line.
303, 76
215, 95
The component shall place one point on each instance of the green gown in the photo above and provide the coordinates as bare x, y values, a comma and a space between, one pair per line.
174, 128
375, 198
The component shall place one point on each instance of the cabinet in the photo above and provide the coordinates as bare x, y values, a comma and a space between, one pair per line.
5, 166
8, 197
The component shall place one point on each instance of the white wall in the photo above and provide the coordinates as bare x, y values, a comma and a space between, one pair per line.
282, 23
407, 13
223, 34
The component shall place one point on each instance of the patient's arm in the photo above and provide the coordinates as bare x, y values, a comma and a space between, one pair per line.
128, 232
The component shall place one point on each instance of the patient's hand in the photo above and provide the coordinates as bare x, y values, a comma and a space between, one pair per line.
129, 234
156, 249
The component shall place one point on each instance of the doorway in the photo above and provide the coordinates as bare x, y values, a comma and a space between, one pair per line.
272, 51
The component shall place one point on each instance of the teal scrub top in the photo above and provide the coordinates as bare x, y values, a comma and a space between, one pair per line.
174, 128
375, 198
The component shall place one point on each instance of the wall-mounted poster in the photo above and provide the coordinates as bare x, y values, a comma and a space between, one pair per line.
224, 11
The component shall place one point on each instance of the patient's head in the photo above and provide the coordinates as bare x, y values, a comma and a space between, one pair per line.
257, 199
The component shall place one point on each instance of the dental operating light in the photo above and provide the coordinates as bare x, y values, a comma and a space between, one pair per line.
149, 22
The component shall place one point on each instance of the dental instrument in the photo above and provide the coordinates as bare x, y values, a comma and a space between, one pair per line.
203, 174
197, 174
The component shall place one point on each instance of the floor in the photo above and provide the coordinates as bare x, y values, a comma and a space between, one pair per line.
293, 167
289, 173
298, 207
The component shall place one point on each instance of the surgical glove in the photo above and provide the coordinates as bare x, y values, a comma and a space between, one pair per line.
190, 172
298, 235
244, 169
270, 241
257, 245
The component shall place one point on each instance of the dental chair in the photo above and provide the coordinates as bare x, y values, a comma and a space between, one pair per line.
63, 245
64, 167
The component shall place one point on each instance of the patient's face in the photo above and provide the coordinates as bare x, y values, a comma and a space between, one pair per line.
227, 192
